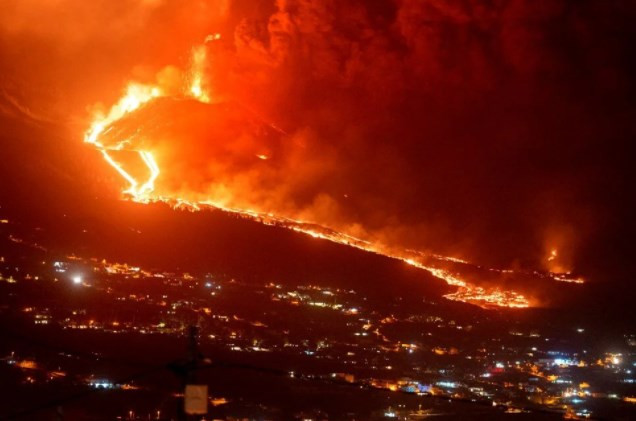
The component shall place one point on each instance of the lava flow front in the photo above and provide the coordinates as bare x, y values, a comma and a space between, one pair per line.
140, 98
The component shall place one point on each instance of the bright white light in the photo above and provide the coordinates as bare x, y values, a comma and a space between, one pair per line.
77, 280
447, 384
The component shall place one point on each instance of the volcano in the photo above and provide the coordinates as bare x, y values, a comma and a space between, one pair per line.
316, 210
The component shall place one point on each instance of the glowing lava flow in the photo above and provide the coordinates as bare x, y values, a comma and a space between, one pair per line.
139, 191
135, 96
142, 191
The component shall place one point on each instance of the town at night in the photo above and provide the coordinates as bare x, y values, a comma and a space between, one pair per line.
317, 210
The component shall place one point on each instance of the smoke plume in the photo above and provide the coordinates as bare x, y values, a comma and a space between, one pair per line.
490, 130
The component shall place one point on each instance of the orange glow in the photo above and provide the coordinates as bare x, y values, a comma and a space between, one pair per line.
197, 88
135, 96
27, 365
198, 62
141, 191
566, 277
57, 374
218, 401
558, 257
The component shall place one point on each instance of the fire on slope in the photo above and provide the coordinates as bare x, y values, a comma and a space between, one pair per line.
137, 106
135, 96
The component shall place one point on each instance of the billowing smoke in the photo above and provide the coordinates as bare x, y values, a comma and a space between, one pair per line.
491, 130
60, 57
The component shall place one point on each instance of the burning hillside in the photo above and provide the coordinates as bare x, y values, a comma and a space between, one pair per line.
143, 120
485, 132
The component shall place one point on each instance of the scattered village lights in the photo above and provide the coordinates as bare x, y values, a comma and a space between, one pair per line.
307, 296
546, 364
102, 384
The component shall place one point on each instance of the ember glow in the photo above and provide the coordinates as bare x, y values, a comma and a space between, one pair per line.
135, 96
421, 125
138, 96
198, 62
142, 190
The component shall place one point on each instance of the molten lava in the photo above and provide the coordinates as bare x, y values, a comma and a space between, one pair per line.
119, 130
135, 95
